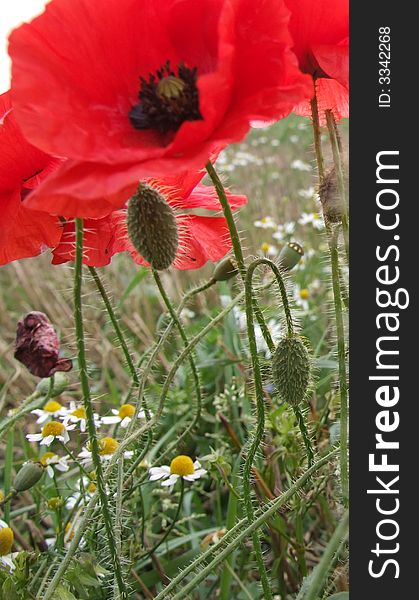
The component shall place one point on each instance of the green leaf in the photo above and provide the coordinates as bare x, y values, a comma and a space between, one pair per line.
339, 596
61, 593
136, 280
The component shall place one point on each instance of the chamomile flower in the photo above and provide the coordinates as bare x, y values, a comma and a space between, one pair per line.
54, 430
181, 466
299, 165
107, 448
301, 297
50, 460
123, 415
313, 219
269, 249
284, 230
51, 410
6, 543
76, 414
265, 223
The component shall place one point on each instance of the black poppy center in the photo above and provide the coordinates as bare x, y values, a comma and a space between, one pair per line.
166, 100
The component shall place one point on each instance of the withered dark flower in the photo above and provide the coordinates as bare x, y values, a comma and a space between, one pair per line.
37, 346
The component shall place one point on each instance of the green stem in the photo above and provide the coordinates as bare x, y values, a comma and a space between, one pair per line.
235, 536
337, 159
305, 435
172, 524
115, 323
340, 330
184, 337
235, 238
321, 571
8, 466
84, 380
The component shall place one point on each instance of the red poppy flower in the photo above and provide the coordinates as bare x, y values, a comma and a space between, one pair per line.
140, 88
320, 31
201, 238
23, 232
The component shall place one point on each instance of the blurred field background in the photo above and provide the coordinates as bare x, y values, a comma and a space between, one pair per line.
273, 166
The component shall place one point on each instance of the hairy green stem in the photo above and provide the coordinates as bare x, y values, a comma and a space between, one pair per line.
84, 380
337, 159
237, 535
321, 571
235, 238
340, 330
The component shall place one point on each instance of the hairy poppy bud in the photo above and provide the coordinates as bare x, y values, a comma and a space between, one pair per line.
61, 382
291, 369
37, 346
290, 255
152, 227
226, 269
330, 199
30, 473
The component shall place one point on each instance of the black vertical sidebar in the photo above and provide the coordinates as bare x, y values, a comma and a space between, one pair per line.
384, 261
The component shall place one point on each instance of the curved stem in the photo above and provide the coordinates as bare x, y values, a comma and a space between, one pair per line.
340, 330
305, 435
84, 380
235, 238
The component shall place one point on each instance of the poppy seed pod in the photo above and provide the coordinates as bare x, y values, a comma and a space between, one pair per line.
291, 369
226, 269
290, 255
30, 473
330, 199
152, 227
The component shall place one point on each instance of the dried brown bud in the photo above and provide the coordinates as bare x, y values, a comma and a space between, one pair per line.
330, 199
37, 346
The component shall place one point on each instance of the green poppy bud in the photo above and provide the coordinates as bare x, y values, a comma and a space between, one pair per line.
290, 255
291, 369
152, 227
226, 269
61, 383
30, 473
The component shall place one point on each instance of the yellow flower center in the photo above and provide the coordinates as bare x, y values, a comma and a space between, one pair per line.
55, 502
91, 488
126, 410
79, 412
264, 219
265, 247
52, 406
6, 540
304, 294
182, 465
45, 457
53, 428
316, 216
107, 445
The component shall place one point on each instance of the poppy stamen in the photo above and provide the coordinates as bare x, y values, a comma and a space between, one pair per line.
167, 100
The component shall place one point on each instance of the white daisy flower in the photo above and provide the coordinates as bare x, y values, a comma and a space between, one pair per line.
284, 230
307, 193
181, 466
265, 223
107, 448
50, 460
51, 410
311, 218
54, 430
77, 414
6, 543
301, 296
123, 415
